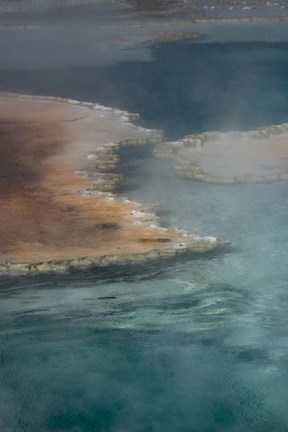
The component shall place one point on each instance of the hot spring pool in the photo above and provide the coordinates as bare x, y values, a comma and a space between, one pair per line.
198, 345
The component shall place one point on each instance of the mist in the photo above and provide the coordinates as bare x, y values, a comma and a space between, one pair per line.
198, 344
232, 85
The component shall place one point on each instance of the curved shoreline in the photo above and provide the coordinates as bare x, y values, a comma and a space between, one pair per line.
254, 156
158, 31
68, 149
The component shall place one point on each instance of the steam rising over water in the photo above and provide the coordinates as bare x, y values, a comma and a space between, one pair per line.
200, 345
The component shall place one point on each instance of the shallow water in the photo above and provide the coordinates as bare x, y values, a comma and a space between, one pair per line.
197, 345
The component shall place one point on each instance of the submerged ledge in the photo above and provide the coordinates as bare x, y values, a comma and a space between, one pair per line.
58, 210
231, 157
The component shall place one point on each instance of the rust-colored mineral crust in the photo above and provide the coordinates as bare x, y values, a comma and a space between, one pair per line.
56, 209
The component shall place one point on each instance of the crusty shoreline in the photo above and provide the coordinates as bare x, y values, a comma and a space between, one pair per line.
58, 209
256, 156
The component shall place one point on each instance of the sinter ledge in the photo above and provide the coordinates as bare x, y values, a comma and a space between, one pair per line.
60, 210
231, 157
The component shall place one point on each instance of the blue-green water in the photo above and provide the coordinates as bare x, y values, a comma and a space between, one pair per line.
197, 345
181, 87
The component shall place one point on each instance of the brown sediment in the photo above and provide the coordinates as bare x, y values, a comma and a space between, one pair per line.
232, 157
52, 208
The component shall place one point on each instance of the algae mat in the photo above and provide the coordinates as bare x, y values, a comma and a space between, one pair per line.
57, 160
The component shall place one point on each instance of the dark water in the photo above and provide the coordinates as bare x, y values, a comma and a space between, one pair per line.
181, 88
198, 345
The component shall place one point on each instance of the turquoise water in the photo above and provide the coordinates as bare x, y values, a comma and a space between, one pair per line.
197, 345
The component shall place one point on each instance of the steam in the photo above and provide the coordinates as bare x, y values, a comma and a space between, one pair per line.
198, 345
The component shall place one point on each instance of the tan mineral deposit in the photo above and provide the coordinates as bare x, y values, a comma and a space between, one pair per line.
231, 157
58, 210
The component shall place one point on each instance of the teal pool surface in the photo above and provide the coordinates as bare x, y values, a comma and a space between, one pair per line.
181, 87
196, 345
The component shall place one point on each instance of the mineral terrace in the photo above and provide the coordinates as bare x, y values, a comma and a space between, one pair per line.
232, 157
58, 210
